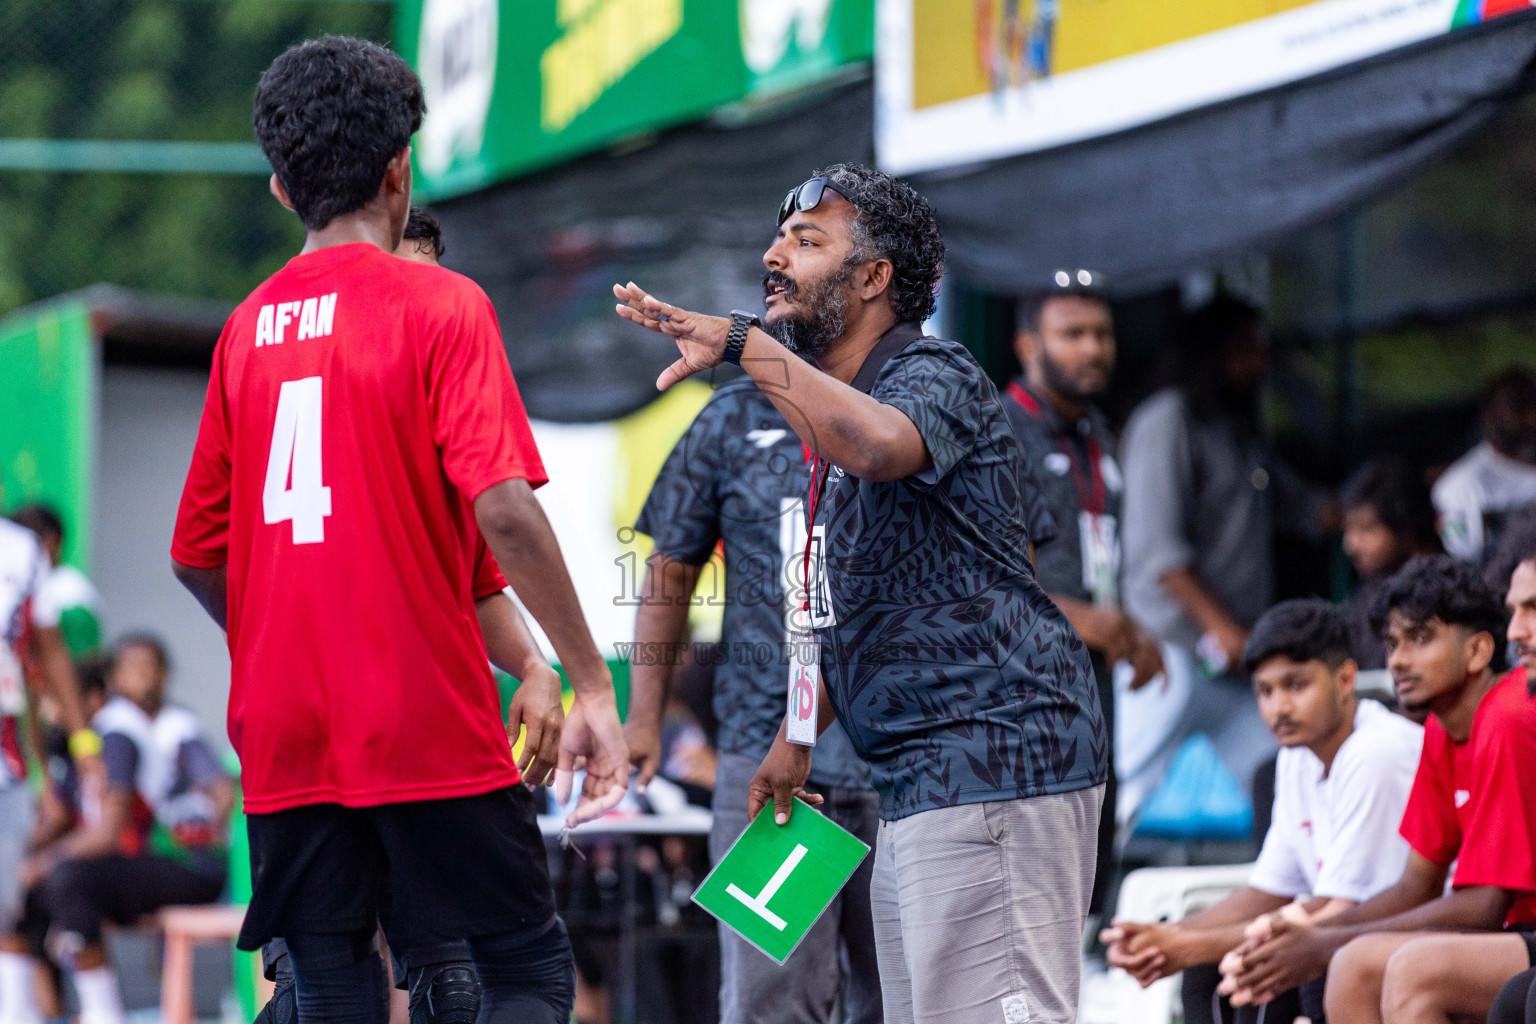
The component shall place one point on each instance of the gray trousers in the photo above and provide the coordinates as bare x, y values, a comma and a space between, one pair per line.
837, 954
15, 831
979, 910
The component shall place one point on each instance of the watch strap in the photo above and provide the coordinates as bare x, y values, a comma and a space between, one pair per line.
736, 340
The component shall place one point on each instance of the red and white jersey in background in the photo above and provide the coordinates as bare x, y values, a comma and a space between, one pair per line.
358, 405
23, 571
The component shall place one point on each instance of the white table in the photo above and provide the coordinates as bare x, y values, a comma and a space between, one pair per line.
693, 821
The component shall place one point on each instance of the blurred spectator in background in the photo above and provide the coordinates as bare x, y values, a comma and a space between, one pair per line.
1388, 519
1345, 769
159, 838
1480, 489
1204, 492
61, 809
27, 630
1065, 342
67, 590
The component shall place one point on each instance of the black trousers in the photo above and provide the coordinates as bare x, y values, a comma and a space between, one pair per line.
78, 896
1199, 1001
1105, 875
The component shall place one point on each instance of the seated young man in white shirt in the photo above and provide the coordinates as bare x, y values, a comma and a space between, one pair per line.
1345, 770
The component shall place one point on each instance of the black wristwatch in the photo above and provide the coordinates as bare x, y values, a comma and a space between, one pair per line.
741, 323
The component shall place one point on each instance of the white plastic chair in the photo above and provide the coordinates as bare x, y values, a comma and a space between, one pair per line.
1155, 894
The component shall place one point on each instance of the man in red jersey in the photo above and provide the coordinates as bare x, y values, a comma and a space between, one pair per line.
1400, 956
361, 425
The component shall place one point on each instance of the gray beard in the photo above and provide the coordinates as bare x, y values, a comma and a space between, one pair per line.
810, 334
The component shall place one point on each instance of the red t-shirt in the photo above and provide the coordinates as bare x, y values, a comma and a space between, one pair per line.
358, 404
1473, 802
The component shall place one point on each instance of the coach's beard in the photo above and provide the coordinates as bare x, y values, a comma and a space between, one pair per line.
818, 317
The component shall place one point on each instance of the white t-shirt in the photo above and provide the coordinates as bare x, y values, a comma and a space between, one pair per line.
1473, 496
67, 587
23, 570
1336, 836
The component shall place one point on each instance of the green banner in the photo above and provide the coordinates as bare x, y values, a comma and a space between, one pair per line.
514, 85
47, 417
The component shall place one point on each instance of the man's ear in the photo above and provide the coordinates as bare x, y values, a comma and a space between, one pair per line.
397, 174
280, 193
1025, 344
1480, 650
1346, 675
876, 278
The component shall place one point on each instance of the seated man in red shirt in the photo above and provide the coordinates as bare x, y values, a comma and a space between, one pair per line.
1397, 957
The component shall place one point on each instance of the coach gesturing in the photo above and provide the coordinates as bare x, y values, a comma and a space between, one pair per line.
955, 676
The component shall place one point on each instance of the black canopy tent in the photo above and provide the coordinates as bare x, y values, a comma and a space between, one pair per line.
687, 213
1151, 203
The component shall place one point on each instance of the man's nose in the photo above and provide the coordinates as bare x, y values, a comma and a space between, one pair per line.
773, 259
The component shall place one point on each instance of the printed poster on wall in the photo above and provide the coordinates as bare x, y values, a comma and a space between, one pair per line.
964, 81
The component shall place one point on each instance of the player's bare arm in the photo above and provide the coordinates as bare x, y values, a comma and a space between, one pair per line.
1149, 951
536, 705
660, 626
1297, 951
59, 672
862, 436
523, 544
209, 586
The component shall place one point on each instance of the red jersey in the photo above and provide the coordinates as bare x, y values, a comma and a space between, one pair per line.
1472, 802
358, 404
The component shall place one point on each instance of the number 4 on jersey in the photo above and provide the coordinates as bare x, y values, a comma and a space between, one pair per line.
296, 453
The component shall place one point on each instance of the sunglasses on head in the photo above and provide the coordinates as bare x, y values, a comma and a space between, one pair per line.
807, 196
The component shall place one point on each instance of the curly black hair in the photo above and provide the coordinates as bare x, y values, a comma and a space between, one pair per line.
1304, 629
427, 233
330, 114
894, 223
1448, 589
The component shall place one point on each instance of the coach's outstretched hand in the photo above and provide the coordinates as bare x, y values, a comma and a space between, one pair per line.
594, 740
780, 779
700, 339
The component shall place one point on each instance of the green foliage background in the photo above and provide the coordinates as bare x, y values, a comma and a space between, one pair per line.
180, 70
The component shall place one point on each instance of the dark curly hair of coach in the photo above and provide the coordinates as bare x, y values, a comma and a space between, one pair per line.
330, 114
897, 224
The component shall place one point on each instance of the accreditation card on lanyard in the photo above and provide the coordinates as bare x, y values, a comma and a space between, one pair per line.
1098, 532
815, 612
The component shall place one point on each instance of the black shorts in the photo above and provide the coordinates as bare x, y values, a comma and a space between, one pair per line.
434, 872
